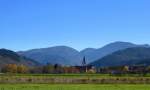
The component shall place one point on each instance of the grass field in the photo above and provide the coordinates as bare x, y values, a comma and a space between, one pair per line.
27, 81
72, 87
74, 75
73, 79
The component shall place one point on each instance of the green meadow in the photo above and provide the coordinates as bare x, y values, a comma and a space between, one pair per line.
42, 82
72, 87
73, 79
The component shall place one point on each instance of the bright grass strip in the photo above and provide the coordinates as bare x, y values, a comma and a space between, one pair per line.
73, 87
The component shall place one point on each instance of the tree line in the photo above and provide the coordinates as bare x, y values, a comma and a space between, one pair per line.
58, 69
46, 69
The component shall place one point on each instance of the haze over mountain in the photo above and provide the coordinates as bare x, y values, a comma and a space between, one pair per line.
68, 56
55, 55
10, 57
129, 56
94, 54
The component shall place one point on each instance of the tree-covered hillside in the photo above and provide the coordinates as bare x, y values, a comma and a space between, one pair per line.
128, 56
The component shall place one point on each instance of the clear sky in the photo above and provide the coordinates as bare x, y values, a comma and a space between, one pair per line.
26, 24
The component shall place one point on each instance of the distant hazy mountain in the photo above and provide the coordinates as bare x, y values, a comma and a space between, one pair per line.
55, 55
130, 56
94, 54
10, 57
68, 56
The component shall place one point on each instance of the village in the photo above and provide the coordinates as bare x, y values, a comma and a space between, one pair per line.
80, 69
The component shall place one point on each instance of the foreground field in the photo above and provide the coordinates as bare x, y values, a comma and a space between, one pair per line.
72, 87
73, 79
75, 75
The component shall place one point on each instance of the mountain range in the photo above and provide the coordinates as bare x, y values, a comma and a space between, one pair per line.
10, 57
68, 56
129, 56
94, 54
54, 55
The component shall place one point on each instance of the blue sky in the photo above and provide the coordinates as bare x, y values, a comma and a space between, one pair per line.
27, 24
